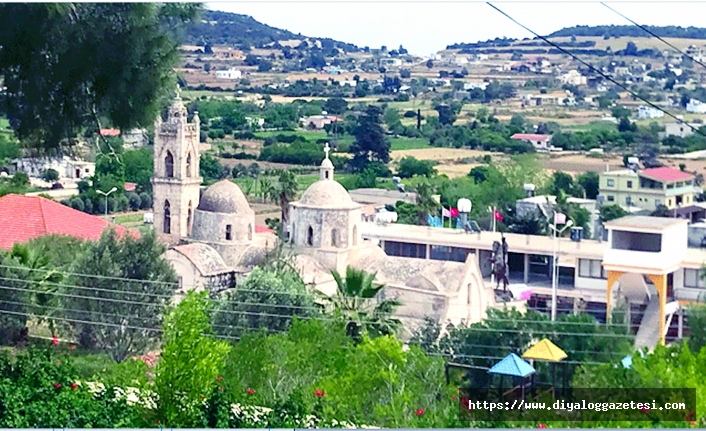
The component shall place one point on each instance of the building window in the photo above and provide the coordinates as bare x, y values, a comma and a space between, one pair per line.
229, 232
669, 202
629, 184
249, 232
405, 249
169, 165
693, 278
334, 238
355, 235
188, 165
188, 220
591, 268
611, 198
310, 236
326, 174
167, 218
610, 182
294, 227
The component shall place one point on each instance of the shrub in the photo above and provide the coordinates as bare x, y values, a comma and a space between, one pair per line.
77, 204
122, 203
134, 201
50, 175
145, 201
297, 153
88, 205
409, 167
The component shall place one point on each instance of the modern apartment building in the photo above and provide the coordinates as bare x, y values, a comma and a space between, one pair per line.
649, 188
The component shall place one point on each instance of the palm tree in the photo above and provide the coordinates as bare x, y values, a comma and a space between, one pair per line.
265, 189
286, 192
426, 204
355, 301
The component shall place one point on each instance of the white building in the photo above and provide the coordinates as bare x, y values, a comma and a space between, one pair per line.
648, 112
68, 168
231, 74
572, 77
539, 142
390, 62
696, 107
474, 85
680, 130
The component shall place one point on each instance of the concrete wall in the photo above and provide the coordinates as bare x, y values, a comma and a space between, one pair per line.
211, 226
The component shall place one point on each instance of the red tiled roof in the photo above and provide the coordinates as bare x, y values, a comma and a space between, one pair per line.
110, 132
263, 229
23, 218
129, 187
530, 137
666, 174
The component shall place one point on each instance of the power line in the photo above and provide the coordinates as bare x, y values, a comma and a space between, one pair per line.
607, 77
647, 30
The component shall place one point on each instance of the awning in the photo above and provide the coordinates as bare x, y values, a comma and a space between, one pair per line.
512, 365
545, 350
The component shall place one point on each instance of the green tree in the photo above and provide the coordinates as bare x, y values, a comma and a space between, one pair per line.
371, 144
118, 72
662, 211
612, 212
409, 167
50, 175
447, 116
354, 300
122, 289
589, 181
336, 105
286, 191
426, 204
190, 363
139, 168
211, 169
269, 298
697, 326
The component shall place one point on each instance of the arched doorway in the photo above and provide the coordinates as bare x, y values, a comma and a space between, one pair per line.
334, 237
188, 220
188, 165
310, 236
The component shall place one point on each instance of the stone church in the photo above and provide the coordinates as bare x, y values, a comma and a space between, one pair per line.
214, 241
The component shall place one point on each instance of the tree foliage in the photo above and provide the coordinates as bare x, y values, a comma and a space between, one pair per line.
66, 66
371, 144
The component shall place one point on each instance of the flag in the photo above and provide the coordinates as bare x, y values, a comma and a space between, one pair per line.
454, 212
497, 215
559, 218
445, 212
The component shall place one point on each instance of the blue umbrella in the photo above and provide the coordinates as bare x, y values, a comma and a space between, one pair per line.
512, 365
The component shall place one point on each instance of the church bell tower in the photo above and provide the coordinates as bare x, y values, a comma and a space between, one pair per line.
176, 181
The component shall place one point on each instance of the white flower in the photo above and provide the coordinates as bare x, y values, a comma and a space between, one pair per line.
96, 388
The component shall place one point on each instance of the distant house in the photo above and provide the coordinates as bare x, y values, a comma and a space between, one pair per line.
317, 122
572, 77
648, 188
333, 70
24, 218
231, 74
390, 62
696, 107
109, 132
67, 167
135, 138
230, 54
680, 130
348, 82
255, 121
648, 112
539, 142
474, 85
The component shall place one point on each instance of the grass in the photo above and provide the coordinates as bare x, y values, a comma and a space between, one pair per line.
129, 218
4, 123
398, 144
309, 135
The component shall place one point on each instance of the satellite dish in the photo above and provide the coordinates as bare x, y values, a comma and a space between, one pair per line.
464, 205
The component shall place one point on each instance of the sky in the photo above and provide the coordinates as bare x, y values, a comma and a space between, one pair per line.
427, 26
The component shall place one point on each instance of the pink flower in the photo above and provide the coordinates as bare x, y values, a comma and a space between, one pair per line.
57, 385
74, 386
55, 340
72, 347
419, 412
645, 410
250, 391
541, 425
320, 392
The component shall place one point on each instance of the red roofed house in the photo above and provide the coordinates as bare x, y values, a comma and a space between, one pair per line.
649, 188
539, 142
23, 218
110, 132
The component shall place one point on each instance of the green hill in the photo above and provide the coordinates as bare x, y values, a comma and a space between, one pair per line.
632, 31
243, 31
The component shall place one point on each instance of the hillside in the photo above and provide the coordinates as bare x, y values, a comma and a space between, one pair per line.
631, 31
243, 31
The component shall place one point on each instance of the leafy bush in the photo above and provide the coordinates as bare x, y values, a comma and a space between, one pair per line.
145, 201
409, 167
50, 175
77, 204
297, 153
134, 201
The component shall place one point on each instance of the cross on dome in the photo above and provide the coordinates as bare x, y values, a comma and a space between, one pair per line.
327, 149
178, 91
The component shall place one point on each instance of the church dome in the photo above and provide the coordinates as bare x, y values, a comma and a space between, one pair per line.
224, 197
326, 193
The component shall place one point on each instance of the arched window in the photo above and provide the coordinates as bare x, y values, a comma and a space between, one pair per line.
291, 235
188, 220
334, 238
188, 165
326, 174
169, 165
167, 218
249, 232
355, 235
229, 232
310, 236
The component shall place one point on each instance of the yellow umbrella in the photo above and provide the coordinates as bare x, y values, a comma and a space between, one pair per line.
545, 350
